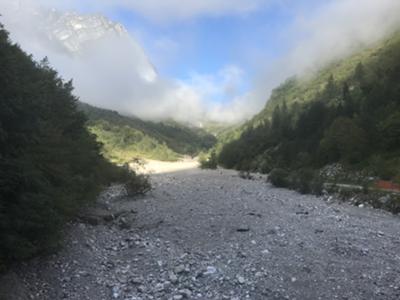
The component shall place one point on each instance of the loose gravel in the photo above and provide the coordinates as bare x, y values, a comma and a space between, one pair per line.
211, 235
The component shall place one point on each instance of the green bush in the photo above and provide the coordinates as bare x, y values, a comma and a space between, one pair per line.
383, 168
317, 186
137, 184
209, 162
306, 181
279, 178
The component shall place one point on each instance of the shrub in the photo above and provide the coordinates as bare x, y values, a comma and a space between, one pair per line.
384, 169
317, 185
137, 184
394, 205
209, 162
264, 166
306, 181
279, 178
245, 175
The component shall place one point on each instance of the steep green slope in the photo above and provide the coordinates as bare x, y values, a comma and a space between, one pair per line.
297, 91
348, 112
127, 137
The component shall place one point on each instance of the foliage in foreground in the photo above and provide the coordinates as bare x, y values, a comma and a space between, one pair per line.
50, 165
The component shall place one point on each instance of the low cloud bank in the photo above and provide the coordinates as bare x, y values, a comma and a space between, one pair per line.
335, 30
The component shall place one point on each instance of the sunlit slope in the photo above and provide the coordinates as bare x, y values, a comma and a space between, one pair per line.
127, 137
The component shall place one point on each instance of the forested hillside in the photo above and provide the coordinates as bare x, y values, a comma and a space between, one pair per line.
347, 113
50, 165
127, 137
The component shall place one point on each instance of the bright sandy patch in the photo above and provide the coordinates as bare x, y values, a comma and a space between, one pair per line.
160, 167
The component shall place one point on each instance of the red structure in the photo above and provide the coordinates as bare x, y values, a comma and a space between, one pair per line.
387, 185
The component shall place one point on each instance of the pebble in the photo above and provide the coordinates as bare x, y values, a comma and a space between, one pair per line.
179, 269
240, 279
210, 270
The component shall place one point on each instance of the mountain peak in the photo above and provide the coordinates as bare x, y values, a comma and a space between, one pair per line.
73, 30
75, 34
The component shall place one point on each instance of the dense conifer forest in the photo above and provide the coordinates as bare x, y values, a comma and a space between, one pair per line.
348, 113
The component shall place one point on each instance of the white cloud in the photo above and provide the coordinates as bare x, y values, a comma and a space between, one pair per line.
341, 27
331, 32
223, 94
224, 85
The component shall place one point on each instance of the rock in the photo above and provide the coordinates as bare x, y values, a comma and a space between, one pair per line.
83, 273
185, 293
123, 223
179, 269
141, 288
258, 274
210, 270
159, 287
136, 280
116, 292
173, 278
240, 279
384, 200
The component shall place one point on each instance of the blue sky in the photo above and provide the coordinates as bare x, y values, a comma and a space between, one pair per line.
207, 44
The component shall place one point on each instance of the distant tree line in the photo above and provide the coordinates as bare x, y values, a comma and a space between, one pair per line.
354, 121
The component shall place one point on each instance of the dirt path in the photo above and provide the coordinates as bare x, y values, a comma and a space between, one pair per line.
211, 235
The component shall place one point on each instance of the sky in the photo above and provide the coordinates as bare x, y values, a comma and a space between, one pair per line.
216, 59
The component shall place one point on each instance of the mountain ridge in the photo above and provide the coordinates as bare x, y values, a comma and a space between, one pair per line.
348, 113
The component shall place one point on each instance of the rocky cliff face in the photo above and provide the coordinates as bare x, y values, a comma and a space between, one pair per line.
73, 34
79, 34
74, 30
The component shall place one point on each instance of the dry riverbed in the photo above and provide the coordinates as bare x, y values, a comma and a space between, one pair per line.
212, 235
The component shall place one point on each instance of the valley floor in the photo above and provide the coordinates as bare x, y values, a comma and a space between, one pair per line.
160, 167
212, 235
